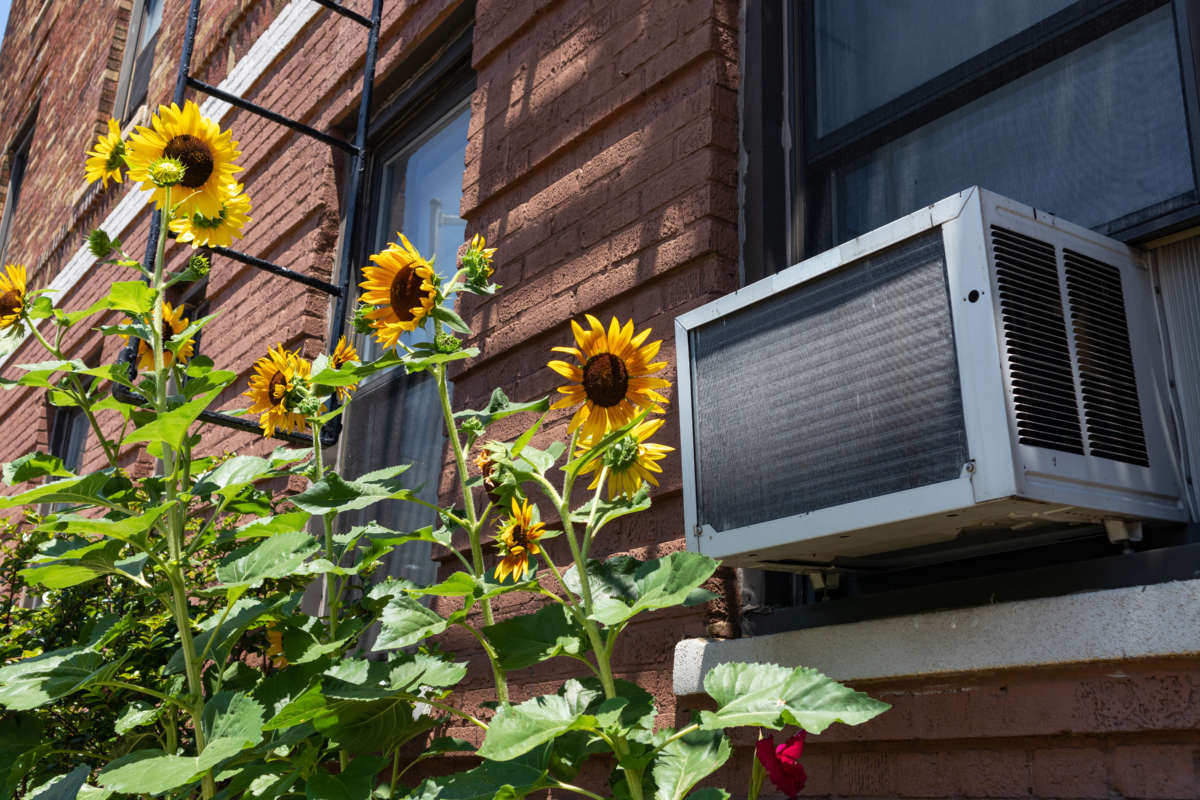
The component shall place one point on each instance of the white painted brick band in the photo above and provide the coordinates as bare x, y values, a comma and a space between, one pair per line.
1137, 622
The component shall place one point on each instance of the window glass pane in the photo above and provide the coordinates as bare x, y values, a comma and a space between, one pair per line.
422, 192
1092, 137
151, 21
871, 51
396, 418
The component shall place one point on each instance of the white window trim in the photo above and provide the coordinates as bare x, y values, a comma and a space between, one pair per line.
1109, 625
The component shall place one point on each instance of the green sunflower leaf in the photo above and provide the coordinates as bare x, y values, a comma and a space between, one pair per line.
516, 730
684, 762
623, 587
132, 297
334, 493
32, 466
499, 407
532, 638
492, 780
171, 427
405, 621
771, 696
274, 557
451, 320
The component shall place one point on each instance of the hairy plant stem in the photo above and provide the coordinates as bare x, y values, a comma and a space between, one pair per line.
601, 649
175, 515
332, 592
473, 523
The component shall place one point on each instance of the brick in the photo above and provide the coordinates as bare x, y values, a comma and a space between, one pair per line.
1155, 771
1069, 772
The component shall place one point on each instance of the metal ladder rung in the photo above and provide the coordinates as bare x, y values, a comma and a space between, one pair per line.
333, 5
238, 423
275, 269
267, 113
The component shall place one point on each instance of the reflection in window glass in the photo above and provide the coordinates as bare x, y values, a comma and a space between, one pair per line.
1092, 137
871, 51
421, 194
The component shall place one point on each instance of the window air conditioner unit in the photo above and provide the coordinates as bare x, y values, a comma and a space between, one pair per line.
975, 365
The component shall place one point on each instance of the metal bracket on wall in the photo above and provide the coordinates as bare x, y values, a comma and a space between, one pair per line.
357, 150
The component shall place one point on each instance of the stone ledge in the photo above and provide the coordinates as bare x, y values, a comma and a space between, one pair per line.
1136, 622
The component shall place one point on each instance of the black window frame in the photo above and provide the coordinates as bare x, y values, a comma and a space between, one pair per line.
18, 164
133, 82
432, 82
787, 170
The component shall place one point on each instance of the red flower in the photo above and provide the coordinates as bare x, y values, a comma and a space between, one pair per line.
782, 763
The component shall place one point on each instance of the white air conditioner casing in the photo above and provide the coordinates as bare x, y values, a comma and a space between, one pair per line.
975, 365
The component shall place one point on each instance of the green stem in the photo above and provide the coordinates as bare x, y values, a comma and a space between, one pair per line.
133, 687
332, 595
472, 527
450, 710
577, 790
175, 574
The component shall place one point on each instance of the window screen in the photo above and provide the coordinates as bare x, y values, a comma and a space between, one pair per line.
842, 388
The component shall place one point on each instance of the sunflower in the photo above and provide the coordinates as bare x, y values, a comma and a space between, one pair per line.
216, 231
343, 354
174, 319
278, 374
196, 142
12, 295
274, 651
108, 158
477, 259
517, 540
630, 461
612, 382
403, 286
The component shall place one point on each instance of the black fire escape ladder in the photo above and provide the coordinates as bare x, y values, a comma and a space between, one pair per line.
356, 149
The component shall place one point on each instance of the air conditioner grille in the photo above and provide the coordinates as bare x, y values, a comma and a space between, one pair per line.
842, 388
1035, 342
1109, 387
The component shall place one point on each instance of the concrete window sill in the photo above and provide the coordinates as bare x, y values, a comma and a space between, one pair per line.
1136, 622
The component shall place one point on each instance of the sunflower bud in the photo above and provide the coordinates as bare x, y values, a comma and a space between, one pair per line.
472, 427
622, 454
199, 265
477, 261
167, 171
362, 325
309, 406
99, 244
447, 342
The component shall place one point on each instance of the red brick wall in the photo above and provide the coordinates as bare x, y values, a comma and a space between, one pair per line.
602, 162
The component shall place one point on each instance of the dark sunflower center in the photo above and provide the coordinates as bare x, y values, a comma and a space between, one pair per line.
520, 538
405, 293
277, 388
195, 156
605, 379
10, 303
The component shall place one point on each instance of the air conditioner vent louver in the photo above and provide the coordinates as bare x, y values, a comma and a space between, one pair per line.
1105, 358
1035, 342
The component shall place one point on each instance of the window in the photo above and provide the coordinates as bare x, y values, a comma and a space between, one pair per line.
1083, 109
416, 188
134, 82
17, 161
857, 112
